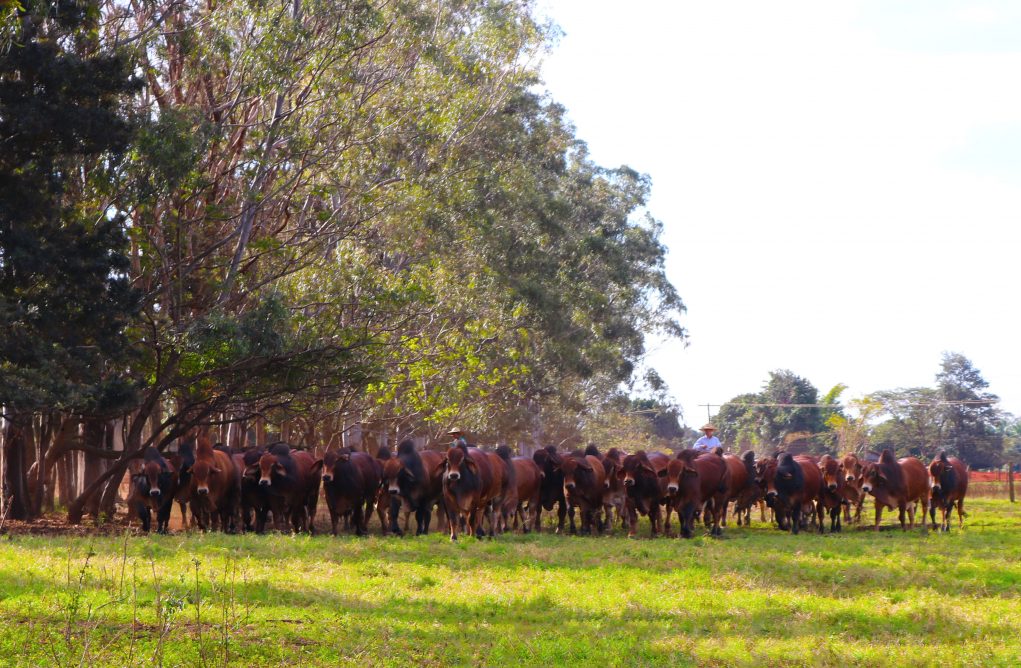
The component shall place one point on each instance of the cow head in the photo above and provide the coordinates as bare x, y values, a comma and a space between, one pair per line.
633, 467
831, 473
765, 476
683, 468
572, 468
392, 469
459, 463
850, 465
329, 462
152, 470
939, 470
201, 473
873, 477
269, 466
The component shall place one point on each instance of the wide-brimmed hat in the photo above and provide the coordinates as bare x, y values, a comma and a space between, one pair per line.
454, 432
708, 425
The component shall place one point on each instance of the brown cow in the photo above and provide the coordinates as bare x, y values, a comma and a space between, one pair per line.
584, 482
850, 464
831, 494
469, 487
215, 486
413, 480
695, 481
351, 482
614, 494
529, 479
897, 483
291, 478
948, 483
505, 503
644, 478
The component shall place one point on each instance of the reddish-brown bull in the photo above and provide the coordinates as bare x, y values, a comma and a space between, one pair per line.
584, 481
897, 483
552, 487
414, 480
215, 486
831, 495
948, 484
851, 467
291, 478
697, 481
644, 478
529, 479
469, 487
614, 494
505, 502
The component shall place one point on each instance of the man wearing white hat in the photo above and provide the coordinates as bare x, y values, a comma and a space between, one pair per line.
707, 443
458, 438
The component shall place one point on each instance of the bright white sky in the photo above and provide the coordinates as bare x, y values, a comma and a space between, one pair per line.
840, 182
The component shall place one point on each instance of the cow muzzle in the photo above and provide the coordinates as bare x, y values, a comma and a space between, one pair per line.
629, 482
327, 477
154, 492
393, 489
832, 486
203, 491
569, 485
454, 475
867, 487
671, 489
771, 494
849, 478
263, 482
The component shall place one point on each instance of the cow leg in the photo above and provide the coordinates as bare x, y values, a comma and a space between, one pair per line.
960, 514
902, 511
924, 502
395, 515
932, 514
632, 521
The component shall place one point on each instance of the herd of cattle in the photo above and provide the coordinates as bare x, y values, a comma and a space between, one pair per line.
479, 492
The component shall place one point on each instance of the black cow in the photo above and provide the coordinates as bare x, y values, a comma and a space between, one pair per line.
154, 488
551, 491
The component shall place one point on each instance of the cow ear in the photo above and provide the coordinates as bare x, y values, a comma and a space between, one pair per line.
621, 474
663, 473
441, 466
252, 471
786, 476
882, 478
409, 474
217, 470
277, 468
647, 467
470, 463
583, 464
317, 466
689, 472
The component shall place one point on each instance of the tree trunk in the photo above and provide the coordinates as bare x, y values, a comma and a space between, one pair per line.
93, 437
15, 486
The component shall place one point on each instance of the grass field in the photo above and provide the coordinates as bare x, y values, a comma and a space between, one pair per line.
755, 597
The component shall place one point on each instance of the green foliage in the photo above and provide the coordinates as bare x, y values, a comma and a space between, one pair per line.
65, 296
767, 427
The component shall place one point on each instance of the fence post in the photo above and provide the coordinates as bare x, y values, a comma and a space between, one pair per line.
1010, 480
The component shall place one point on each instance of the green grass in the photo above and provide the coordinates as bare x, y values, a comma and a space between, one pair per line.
755, 597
